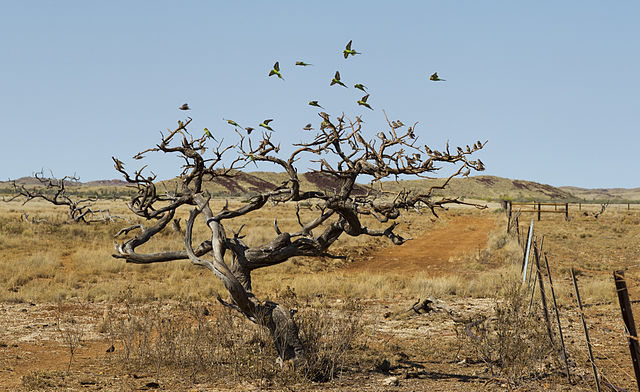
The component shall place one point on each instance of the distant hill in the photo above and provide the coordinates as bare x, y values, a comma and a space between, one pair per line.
478, 187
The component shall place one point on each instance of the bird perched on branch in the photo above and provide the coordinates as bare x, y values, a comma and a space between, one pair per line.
348, 51
208, 133
363, 102
436, 78
265, 124
316, 104
276, 70
336, 80
184, 107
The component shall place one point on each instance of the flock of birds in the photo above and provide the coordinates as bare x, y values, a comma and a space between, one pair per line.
348, 51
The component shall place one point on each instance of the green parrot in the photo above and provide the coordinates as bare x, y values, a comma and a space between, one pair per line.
231, 122
206, 131
363, 102
316, 104
336, 80
307, 127
360, 86
436, 78
265, 124
184, 107
348, 51
302, 63
276, 70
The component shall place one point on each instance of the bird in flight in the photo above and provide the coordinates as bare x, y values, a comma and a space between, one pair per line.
363, 102
302, 63
208, 133
336, 80
265, 124
348, 51
307, 127
231, 122
436, 78
360, 86
276, 70
184, 107
249, 130
316, 104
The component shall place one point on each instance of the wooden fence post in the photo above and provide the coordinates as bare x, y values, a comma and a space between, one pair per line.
539, 211
555, 306
586, 331
566, 211
627, 316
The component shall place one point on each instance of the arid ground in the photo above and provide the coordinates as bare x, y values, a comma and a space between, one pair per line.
73, 318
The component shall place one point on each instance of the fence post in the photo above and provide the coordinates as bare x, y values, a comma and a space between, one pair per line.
539, 211
555, 306
586, 331
566, 211
627, 316
536, 257
526, 253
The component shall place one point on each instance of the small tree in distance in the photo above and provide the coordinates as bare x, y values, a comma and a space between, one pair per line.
340, 149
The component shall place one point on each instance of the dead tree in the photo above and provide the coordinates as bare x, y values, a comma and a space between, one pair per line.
340, 150
55, 191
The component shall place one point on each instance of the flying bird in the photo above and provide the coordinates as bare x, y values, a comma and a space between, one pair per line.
249, 130
265, 124
184, 107
436, 78
360, 86
363, 102
276, 70
316, 104
231, 122
302, 63
307, 127
208, 133
336, 80
348, 51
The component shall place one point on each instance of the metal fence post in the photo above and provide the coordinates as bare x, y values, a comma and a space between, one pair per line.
627, 316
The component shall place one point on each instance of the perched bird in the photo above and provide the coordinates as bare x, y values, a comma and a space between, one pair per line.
302, 63
363, 102
336, 80
307, 127
184, 107
360, 86
359, 120
316, 104
436, 78
479, 144
400, 124
324, 116
249, 130
206, 132
231, 122
348, 51
276, 70
265, 124
394, 125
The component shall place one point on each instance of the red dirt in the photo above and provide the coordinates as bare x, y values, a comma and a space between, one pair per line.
435, 250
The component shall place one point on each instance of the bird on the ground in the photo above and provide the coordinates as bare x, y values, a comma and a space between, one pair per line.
302, 63
316, 104
307, 127
249, 130
184, 107
436, 78
336, 80
231, 122
265, 124
111, 349
360, 86
363, 102
276, 70
208, 133
348, 51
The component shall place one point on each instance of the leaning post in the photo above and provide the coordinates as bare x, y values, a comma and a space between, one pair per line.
627, 316
586, 331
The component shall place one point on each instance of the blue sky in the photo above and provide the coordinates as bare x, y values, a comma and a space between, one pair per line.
553, 86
